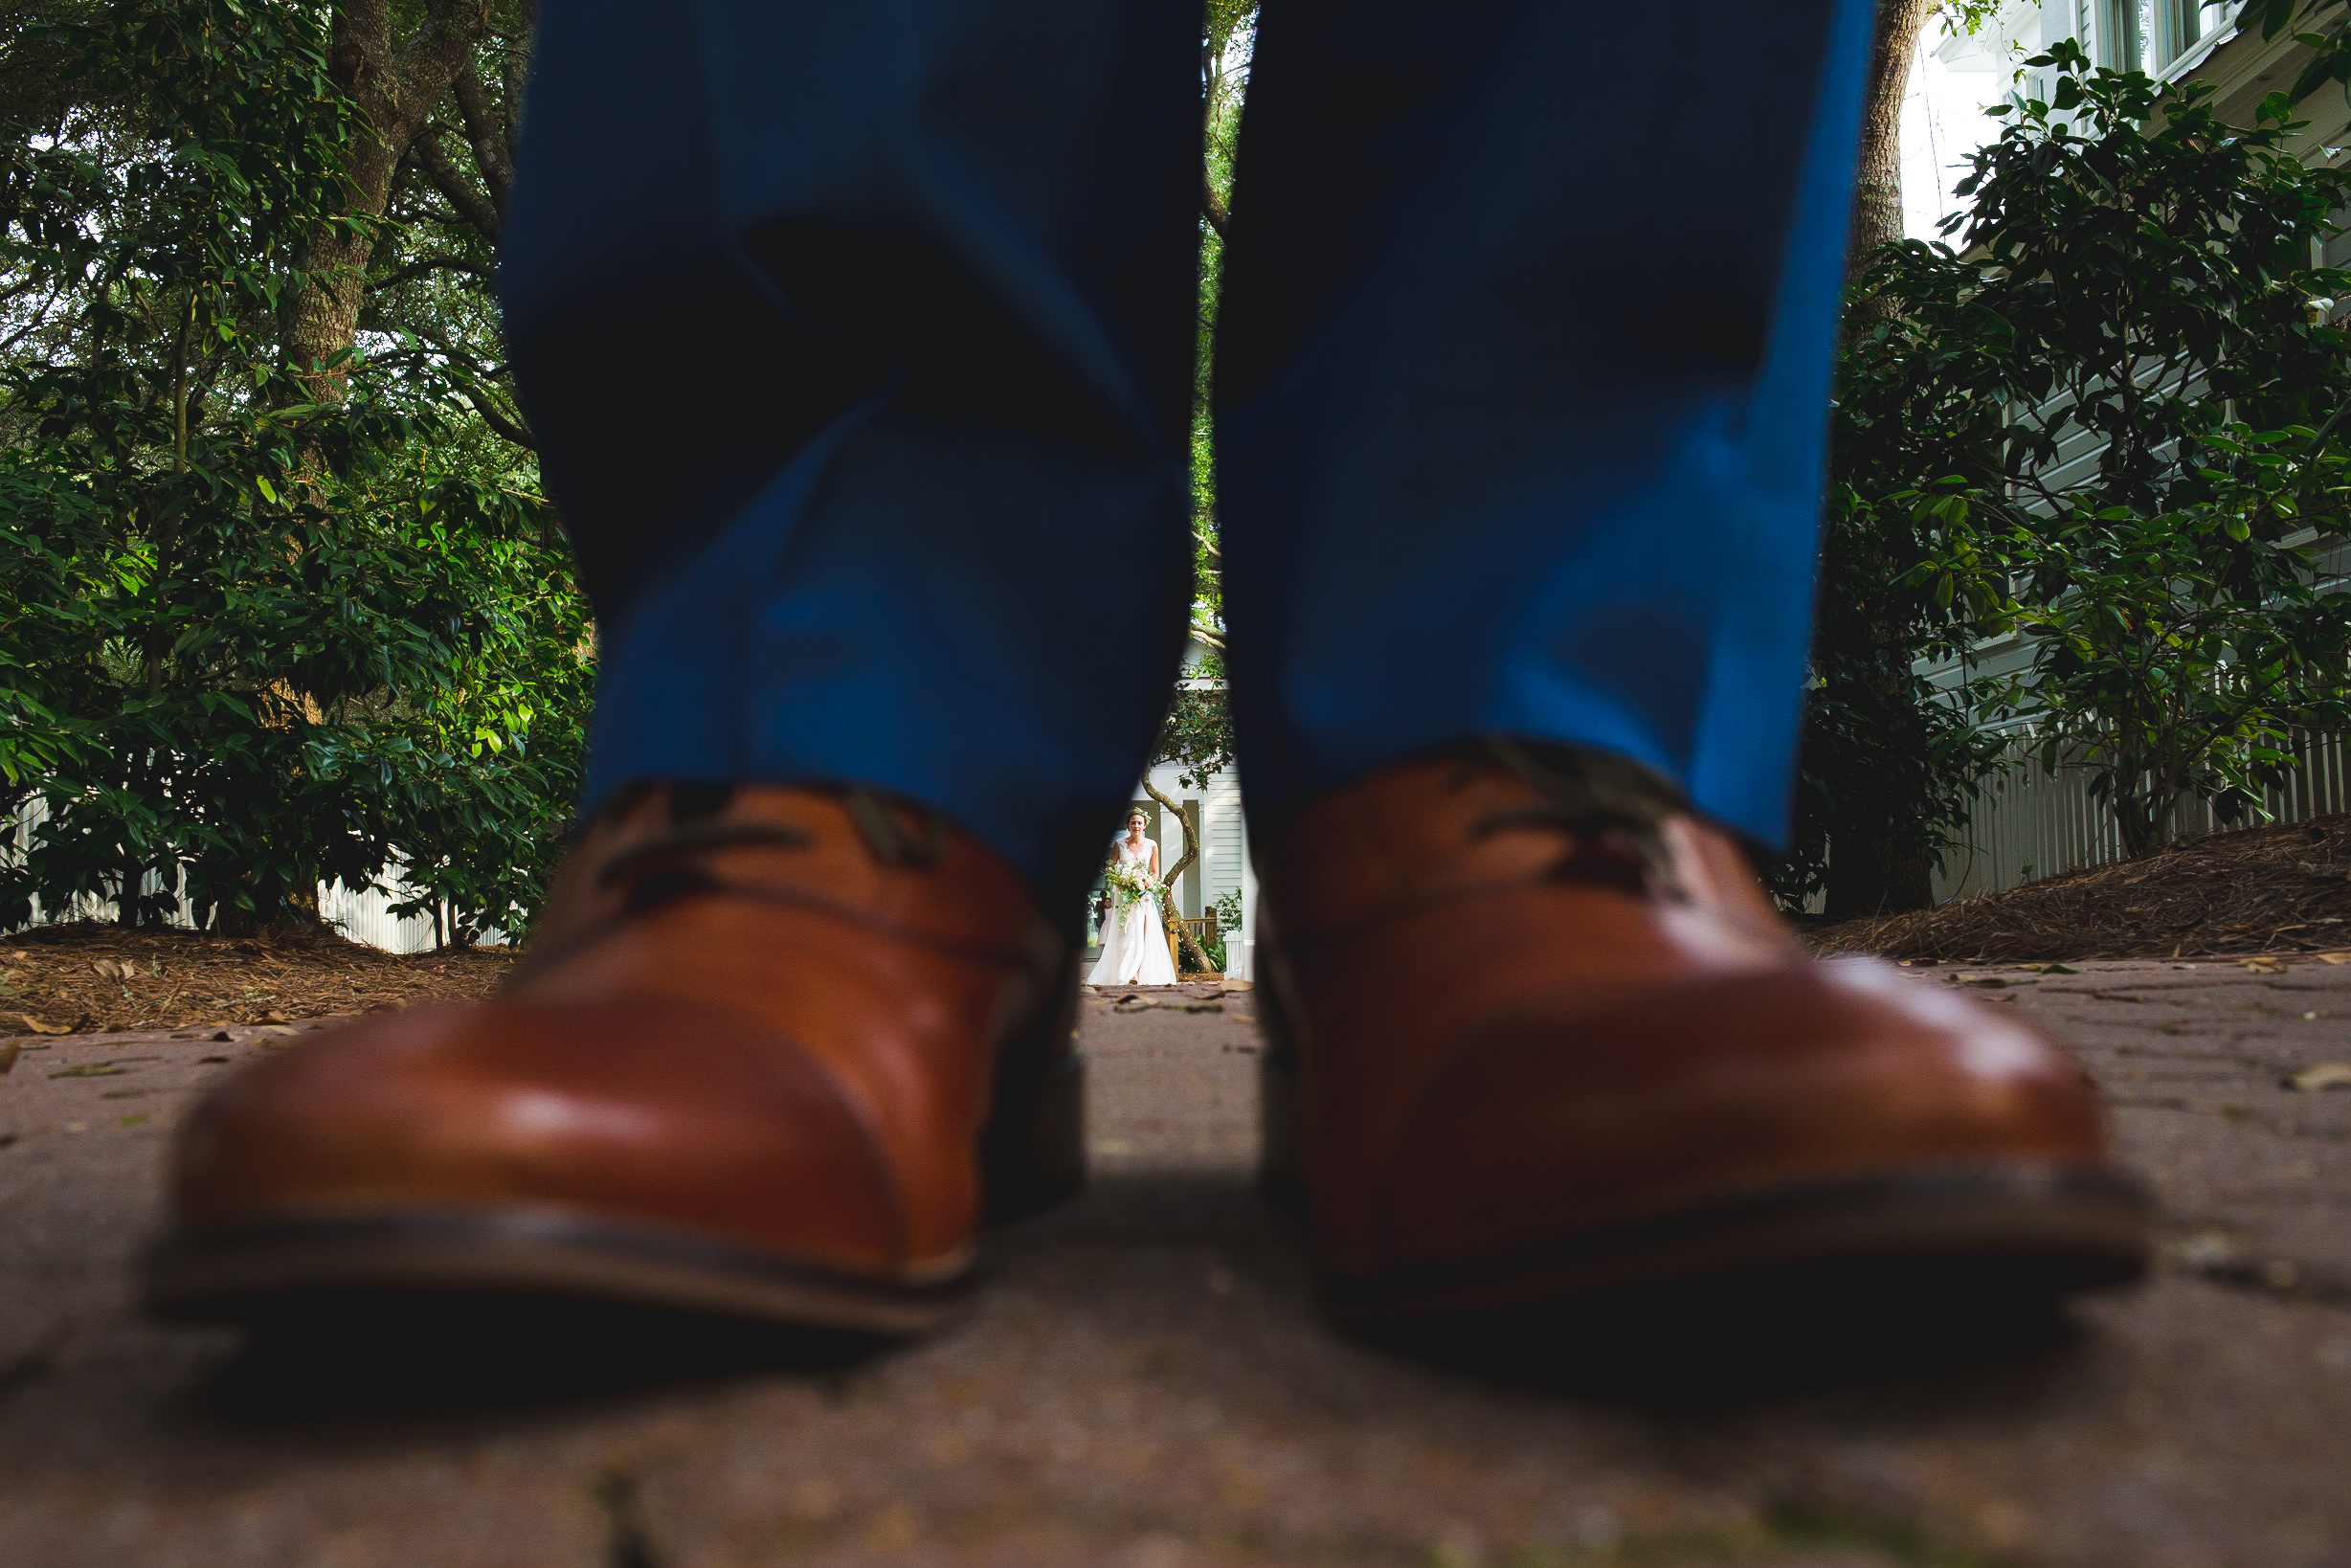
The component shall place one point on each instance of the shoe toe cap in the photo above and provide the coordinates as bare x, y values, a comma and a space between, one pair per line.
667, 1114
1546, 1123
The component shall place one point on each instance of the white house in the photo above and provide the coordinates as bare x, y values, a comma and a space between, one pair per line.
1211, 813
1222, 868
2169, 39
2029, 824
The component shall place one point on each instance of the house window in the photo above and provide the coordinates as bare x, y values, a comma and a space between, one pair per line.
2190, 22
2123, 27
2149, 35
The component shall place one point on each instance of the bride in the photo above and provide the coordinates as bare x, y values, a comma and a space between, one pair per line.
1133, 942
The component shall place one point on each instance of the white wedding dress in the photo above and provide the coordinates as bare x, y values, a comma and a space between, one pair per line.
1133, 940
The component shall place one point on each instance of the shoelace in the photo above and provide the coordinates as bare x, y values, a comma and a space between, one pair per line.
665, 865
1610, 809
877, 821
691, 837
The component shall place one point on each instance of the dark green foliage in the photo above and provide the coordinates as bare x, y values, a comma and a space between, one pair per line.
2140, 284
248, 640
1887, 767
1198, 732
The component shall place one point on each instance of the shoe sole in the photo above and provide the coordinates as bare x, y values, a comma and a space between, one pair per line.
1032, 1155
2017, 1234
253, 1272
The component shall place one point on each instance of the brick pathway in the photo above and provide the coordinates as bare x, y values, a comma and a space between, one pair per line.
1148, 1385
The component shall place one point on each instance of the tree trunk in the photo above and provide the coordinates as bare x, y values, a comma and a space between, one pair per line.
1871, 873
1871, 869
1874, 865
396, 90
2145, 820
1167, 877
1878, 206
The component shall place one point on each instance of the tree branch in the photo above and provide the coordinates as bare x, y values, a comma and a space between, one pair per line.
40, 318
482, 131
439, 340
510, 80
437, 51
499, 425
395, 89
1212, 206
471, 205
436, 263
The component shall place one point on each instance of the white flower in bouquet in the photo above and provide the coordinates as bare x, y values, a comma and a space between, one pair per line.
1131, 884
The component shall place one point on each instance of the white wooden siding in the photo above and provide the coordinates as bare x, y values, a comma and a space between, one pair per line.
2029, 824
362, 916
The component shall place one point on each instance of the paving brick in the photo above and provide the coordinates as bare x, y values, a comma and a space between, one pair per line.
1148, 1383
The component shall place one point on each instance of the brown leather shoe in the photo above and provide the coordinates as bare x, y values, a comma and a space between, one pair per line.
761, 1060
1539, 1035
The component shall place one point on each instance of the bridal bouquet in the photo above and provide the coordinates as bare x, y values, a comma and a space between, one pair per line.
1131, 884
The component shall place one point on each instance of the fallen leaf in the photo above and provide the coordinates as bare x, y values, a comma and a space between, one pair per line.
2326, 1075
88, 1072
106, 969
8, 1056
2262, 966
2060, 968
34, 1026
135, 1119
277, 1016
2205, 1251
211, 1061
1987, 980
2335, 957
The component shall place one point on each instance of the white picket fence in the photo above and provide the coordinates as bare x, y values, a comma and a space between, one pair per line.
363, 916
2026, 824
2029, 824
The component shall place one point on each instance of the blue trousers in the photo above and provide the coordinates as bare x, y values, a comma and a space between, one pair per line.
860, 340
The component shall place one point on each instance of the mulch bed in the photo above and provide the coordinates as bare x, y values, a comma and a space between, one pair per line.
2282, 888
86, 978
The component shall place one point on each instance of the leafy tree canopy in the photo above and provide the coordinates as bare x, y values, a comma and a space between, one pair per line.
266, 617
2114, 424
